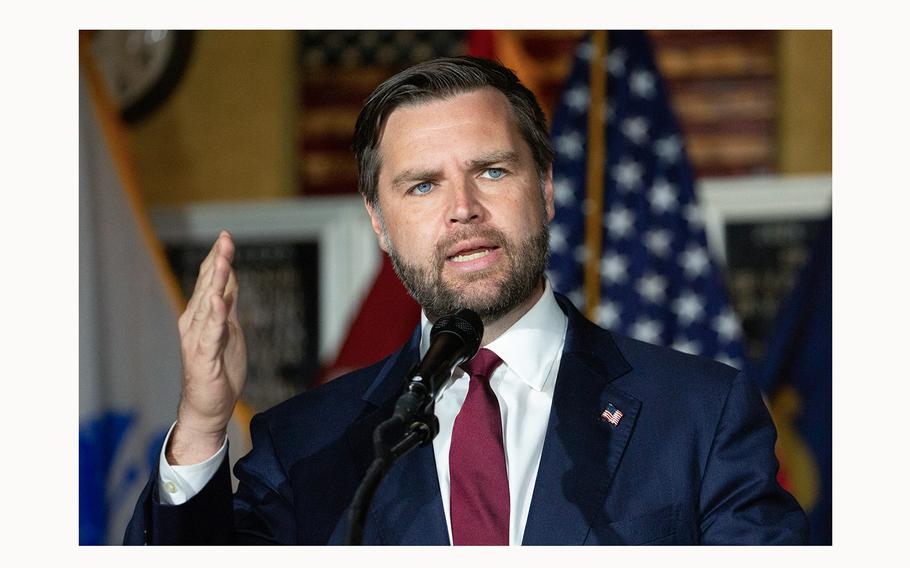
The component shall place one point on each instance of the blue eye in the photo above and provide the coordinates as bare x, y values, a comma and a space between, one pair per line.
494, 173
423, 187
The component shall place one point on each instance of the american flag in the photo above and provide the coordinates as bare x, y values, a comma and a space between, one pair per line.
354, 49
612, 415
658, 282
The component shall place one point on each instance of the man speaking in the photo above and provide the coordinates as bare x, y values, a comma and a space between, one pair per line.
556, 432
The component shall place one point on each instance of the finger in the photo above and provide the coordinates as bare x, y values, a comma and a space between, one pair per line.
227, 246
231, 292
209, 259
211, 340
220, 274
223, 248
203, 279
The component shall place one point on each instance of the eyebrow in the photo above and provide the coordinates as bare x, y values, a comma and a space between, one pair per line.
502, 156
408, 176
486, 160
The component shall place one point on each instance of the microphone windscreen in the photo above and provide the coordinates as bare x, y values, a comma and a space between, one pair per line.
465, 324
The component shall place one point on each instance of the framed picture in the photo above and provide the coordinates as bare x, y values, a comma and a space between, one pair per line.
761, 229
302, 264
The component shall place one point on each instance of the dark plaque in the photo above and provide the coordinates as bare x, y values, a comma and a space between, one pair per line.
763, 261
278, 311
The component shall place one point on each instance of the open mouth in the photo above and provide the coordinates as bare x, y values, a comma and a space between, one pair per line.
469, 255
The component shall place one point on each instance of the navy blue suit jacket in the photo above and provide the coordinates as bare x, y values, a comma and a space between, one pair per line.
691, 461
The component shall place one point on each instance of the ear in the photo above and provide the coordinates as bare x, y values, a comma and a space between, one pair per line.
548, 195
377, 226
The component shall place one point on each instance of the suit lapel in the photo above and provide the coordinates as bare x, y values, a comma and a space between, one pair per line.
407, 506
582, 450
580, 455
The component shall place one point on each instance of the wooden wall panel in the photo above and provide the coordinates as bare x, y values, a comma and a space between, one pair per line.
264, 114
227, 132
804, 94
724, 87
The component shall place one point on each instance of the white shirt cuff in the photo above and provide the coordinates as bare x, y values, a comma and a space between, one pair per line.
177, 484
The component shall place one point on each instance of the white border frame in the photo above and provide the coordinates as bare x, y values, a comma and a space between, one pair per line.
759, 198
348, 253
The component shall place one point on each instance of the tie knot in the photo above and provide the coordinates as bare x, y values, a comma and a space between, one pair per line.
483, 364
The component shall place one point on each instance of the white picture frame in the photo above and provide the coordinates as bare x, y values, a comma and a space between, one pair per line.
349, 256
759, 199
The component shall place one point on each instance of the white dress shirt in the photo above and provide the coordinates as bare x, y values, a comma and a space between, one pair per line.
524, 385
177, 484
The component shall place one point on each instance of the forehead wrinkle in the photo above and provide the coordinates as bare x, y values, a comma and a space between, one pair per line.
418, 173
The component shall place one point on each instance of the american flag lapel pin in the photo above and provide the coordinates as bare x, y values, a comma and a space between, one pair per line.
611, 414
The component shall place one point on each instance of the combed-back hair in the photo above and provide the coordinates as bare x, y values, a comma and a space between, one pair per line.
439, 79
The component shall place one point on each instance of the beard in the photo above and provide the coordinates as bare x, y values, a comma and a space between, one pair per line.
526, 262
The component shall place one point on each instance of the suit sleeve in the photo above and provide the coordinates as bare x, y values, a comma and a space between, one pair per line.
204, 519
740, 499
263, 505
259, 513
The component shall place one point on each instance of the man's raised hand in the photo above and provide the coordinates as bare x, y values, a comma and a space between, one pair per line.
214, 359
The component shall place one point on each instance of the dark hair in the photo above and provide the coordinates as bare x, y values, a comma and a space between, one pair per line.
439, 79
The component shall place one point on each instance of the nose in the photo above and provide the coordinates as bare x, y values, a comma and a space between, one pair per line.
466, 206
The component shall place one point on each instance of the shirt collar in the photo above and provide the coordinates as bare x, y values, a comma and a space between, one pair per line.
528, 348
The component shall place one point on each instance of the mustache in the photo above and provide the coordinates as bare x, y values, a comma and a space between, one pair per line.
491, 234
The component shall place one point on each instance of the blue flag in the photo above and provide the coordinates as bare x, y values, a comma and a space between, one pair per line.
796, 372
658, 281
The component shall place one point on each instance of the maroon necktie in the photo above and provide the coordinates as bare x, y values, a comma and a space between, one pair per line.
477, 463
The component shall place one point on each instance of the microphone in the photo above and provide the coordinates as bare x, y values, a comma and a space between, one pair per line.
454, 339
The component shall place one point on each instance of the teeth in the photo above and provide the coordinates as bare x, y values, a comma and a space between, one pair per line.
472, 256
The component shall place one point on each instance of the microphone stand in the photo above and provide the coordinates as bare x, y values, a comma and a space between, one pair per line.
413, 424
453, 340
